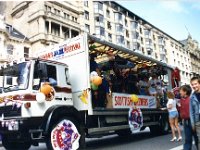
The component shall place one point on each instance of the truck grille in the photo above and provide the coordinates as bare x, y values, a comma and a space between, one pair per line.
10, 111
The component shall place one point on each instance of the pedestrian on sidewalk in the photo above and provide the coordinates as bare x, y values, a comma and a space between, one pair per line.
194, 107
173, 116
184, 107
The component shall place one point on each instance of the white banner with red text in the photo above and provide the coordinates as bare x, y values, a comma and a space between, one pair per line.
121, 100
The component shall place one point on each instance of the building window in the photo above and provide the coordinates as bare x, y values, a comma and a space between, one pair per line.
126, 23
74, 33
172, 44
148, 52
154, 38
87, 28
136, 46
86, 3
55, 29
142, 41
100, 19
154, 46
119, 28
128, 44
109, 37
100, 31
156, 55
143, 50
26, 52
10, 49
46, 27
65, 32
118, 17
140, 30
120, 39
127, 33
109, 25
134, 25
98, 7
147, 33
108, 13
86, 15
135, 35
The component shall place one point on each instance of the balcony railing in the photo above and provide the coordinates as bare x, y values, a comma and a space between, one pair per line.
98, 11
100, 24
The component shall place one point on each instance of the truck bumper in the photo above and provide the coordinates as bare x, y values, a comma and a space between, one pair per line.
19, 125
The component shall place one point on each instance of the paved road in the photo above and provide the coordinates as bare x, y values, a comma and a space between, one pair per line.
140, 141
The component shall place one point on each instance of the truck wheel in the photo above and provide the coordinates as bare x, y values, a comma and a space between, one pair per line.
65, 134
11, 144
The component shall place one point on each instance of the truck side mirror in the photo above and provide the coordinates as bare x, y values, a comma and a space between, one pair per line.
42, 70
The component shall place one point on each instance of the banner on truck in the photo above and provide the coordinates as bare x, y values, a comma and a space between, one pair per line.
121, 100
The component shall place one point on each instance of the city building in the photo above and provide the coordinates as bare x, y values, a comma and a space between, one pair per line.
45, 22
193, 47
48, 22
13, 44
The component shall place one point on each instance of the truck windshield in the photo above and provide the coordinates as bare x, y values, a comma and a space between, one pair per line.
15, 77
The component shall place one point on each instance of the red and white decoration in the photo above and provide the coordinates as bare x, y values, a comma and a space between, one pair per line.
65, 136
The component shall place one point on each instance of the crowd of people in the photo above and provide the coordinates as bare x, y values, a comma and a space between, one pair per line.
189, 109
121, 76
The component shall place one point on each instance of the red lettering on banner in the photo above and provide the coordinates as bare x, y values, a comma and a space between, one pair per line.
122, 101
142, 102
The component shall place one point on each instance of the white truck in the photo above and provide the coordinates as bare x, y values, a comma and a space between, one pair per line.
49, 98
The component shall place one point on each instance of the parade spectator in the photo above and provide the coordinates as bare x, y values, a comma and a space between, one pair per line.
93, 64
194, 106
185, 92
173, 116
143, 85
152, 85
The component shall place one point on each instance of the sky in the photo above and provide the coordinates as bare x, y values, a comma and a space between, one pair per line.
171, 16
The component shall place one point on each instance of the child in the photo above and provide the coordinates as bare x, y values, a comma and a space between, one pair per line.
173, 116
185, 92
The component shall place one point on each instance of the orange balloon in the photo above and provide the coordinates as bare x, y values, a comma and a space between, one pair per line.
96, 80
45, 89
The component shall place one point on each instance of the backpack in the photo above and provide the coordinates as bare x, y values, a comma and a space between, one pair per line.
184, 108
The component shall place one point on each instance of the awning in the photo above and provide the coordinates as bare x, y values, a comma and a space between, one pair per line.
105, 49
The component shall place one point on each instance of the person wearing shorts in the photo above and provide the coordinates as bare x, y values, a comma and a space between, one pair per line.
173, 116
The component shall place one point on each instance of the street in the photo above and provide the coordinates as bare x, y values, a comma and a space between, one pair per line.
140, 141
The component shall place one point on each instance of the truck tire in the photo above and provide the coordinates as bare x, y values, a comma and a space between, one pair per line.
66, 133
11, 144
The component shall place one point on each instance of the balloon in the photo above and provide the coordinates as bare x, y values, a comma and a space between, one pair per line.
96, 80
134, 98
94, 87
45, 89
